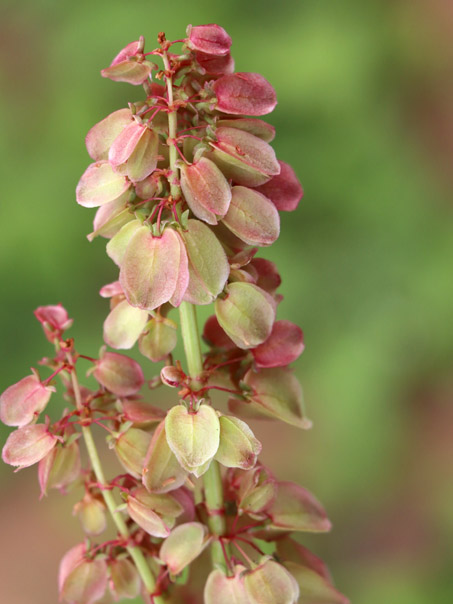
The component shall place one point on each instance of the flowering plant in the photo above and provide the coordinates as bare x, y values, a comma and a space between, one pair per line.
188, 189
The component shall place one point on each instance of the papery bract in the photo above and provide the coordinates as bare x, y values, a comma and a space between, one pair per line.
99, 184
193, 436
162, 471
220, 589
60, 467
296, 509
238, 446
283, 346
256, 491
118, 373
22, 402
258, 128
81, 580
271, 583
154, 513
277, 392
134, 152
152, 268
215, 65
124, 325
215, 336
208, 264
101, 136
252, 217
54, 320
158, 339
91, 513
131, 447
206, 190
116, 247
211, 39
244, 94
111, 217
266, 274
284, 190
124, 579
182, 546
141, 413
28, 445
246, 314
126, 68
243, 157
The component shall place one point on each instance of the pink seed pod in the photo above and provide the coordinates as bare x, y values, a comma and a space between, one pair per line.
130, 448
124, 579
243, 157
101, 136
155, 513
271, 583
22, 402
220, 589
141, 413
277, 393
246, 314
99, 184
159, 339
134, 151
296, 509
283, 346
123, 325
28, 445
59, 468
119, 374
258, 128
162, 472
238, 446
215, 336
257, 491
266, 274
183, 545
81, 579
244, 94
214, 65
54, 320
110, 217
206, 190
91, 513
284, 190
129, 65
252, 217
154, 270
210, 39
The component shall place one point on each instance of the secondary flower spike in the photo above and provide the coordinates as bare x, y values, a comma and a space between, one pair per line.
187, 189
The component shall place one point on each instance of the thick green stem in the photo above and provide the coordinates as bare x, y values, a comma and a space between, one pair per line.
135, 552
212, 479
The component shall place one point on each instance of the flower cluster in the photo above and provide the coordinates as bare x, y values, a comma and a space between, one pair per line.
188, 189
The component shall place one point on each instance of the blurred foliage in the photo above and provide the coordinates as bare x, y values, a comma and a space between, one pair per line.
364, 116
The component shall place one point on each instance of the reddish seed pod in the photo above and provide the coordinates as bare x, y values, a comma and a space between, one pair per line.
244, 94
283, 346
54, 319
210, 39
21, 403
120, 374
284, 190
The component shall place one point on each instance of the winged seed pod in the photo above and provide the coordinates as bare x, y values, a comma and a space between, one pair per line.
187, 189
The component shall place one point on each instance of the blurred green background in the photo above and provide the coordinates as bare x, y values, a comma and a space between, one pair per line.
365, 117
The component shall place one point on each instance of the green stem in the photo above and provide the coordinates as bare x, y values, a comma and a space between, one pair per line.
212, 479
135, 552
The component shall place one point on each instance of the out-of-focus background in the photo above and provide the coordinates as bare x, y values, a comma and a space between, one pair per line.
365, 117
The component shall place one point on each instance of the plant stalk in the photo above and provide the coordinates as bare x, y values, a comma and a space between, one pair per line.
135, 552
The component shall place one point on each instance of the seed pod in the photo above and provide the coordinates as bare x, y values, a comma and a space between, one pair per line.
238, 446
91, 513
122, 69
154, 269
243, 157
277, 393
246, 314
28, 445
119, 374
283, 346
257, 490
134, 151
296, 509
124, 324
271, 583
124, 578
244, 94
171, 376
131, 448
220, 589
183, 545
266, 274
81, 580
215, 65
211, 39
284, 190
154, 513
193, 437
206, 190
101, 136
99, 184
252, 217
208, 264
60, 467
141, 414
162, 472
111, 217
214, 335
54, 320
117, 245
22, 402
258, 128
159, 339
